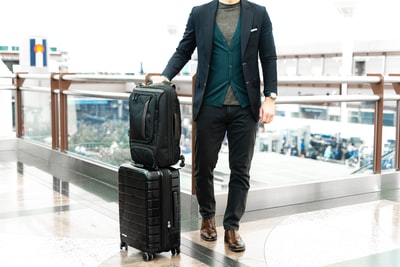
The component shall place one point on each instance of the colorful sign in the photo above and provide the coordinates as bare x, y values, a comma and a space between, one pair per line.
38, 52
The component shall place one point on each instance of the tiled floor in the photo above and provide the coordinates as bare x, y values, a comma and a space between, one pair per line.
47, 222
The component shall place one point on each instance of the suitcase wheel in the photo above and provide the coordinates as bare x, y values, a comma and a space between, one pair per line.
122, 245
147, 256
175, 251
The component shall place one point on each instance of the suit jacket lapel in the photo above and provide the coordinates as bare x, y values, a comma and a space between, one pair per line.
209, 24
247, 23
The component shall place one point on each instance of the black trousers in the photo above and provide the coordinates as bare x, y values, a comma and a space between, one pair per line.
212, 125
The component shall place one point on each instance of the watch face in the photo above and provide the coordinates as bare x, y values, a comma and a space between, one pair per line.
273, 95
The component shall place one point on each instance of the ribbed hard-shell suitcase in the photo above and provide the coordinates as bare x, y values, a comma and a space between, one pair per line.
149, 209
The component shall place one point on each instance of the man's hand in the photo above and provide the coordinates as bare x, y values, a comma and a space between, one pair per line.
158, 79
267, 110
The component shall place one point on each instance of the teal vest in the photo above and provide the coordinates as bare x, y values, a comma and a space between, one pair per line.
226, 70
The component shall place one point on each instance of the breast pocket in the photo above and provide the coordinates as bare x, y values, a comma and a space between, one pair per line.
254, 37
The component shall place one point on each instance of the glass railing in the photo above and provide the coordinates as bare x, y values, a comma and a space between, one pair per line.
313, 137
36, 113
98, 129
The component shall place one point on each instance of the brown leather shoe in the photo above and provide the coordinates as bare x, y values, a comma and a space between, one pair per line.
208, 232
234, 241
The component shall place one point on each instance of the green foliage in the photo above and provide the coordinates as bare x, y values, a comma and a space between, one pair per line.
107, 142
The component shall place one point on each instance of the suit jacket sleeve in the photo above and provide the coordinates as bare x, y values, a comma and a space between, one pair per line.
267, 54
183, 52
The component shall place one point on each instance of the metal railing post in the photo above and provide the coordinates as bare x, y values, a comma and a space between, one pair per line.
55, 133
378, 89
19, 128
63, 86
396, 87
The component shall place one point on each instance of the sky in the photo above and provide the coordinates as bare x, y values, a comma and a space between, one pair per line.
117, 35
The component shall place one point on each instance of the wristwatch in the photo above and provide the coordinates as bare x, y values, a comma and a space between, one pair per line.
272, 95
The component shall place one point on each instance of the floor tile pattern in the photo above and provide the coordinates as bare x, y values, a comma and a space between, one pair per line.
45, 222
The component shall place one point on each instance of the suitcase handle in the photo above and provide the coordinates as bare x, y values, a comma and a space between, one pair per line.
182, 159
148, 80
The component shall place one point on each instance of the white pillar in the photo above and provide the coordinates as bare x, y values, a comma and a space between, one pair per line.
346, 9
6, 128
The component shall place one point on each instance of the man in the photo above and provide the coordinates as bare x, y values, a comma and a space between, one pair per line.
230, 37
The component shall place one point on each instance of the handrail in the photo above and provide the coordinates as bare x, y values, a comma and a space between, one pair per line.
100, 78
182, 83
141, 78
325, 99
123, 96
35, 89
7, 87
392, 79
328, 79
392, 97
61, 82
187, 79
7, 76
29, 76
280, 100
281, 79
112, 95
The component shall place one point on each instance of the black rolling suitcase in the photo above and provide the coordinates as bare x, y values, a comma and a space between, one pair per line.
149, 209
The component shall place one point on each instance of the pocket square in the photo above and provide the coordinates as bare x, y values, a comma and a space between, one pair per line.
254, 30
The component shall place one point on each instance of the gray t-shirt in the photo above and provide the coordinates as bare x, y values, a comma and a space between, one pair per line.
227, 19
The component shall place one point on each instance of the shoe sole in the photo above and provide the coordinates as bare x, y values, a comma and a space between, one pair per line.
233, 248
236, 249
208, 239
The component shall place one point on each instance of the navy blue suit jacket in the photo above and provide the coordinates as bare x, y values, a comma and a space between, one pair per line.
257, 42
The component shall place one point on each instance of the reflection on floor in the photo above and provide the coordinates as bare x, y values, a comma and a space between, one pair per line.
47, 222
